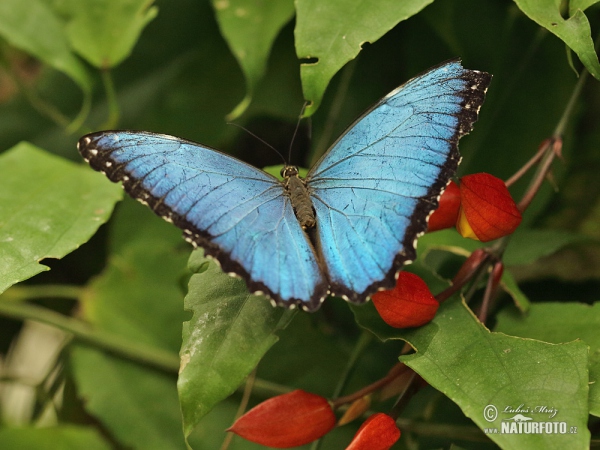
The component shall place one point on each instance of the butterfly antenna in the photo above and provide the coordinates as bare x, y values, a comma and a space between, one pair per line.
259, 139
296, 130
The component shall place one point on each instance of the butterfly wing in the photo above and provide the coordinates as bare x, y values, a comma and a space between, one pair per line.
237, 213
375, 188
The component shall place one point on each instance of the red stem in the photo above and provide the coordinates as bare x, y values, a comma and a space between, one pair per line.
549, 154
529, 164
395, 372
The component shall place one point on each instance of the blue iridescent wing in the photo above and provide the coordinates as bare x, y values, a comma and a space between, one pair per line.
237, 213
375, 188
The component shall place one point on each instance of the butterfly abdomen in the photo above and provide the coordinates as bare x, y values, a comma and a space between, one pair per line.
299, 197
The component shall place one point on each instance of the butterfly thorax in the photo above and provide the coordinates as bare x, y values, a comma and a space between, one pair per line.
295, 188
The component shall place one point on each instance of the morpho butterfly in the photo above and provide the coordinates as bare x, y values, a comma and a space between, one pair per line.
346, 229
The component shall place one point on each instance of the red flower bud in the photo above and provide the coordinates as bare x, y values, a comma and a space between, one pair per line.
497, 272
487, 211
447, 213
288, 420
356, 409
409, 304
379, 432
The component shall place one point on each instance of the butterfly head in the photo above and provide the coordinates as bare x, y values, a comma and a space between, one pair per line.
289, 171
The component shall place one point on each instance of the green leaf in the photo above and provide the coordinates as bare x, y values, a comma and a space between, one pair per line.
574, 5
138, 406
334, 32
448, 240
63, 437
527, 246
32, 26
48, 208
105, 31
138, 296
557, 323
511, 287
574, 31
250, 28
225, 339
475, 368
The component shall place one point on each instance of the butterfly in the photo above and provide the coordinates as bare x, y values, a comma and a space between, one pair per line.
346, 229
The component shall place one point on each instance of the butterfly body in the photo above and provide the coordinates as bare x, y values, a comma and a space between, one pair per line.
347, 228
299, 196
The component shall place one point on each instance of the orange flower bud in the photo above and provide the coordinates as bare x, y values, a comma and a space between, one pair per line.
487, 210
356, 409
379, 432
447, 213
288, 420
409, 304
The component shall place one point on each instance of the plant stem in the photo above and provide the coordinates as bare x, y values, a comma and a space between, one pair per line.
562, 123
529, 164
119, 345
553, 146
404, 398
538, 178
334, 112
396, 371
30, 292
464, 433
362, 343
40, 105
248, 387
111, 98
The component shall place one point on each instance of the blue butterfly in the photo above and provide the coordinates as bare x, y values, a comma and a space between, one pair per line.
346, 229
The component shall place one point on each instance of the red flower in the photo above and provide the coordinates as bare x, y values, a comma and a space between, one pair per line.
447, 213
487, 211
288, 420
409, 304
379, 432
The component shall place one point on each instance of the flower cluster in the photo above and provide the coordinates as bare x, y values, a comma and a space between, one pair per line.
481, 208
299, 417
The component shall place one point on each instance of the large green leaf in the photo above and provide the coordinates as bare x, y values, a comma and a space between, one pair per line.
527, 246
574, 31
105, 31
557, 323
139, 296
138, 406
250, 28
333, 32
225, 339
475, 368
32, 26
48, 208
64, 437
